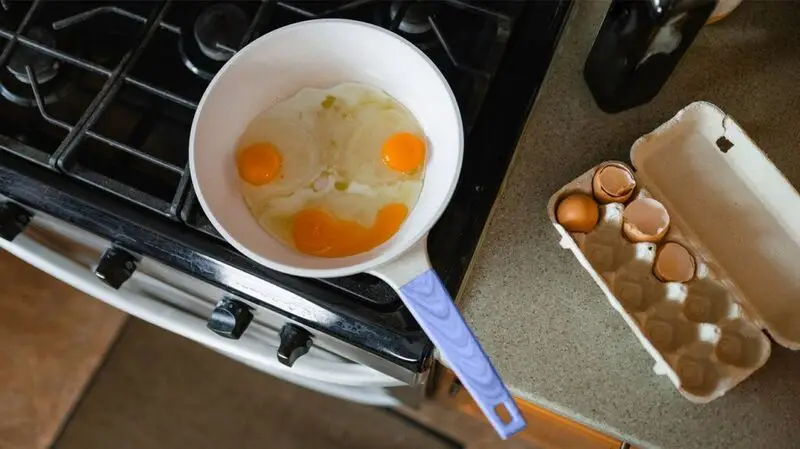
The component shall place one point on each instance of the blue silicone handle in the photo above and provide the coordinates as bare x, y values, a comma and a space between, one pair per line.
434, 310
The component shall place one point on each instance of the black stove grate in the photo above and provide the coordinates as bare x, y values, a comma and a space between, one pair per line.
97, 99
112, 90
115, 109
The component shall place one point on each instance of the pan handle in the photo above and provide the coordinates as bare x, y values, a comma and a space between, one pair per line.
431, 305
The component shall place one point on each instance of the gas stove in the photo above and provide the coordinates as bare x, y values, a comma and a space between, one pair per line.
97, 103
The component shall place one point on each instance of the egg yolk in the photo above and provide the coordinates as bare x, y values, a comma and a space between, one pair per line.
403, 152
318, 233
259, 163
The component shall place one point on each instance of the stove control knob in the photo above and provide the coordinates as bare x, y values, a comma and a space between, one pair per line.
13, 219
295, 341
230, 318
115, 267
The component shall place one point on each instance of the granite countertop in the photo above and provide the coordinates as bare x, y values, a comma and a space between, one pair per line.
548, 328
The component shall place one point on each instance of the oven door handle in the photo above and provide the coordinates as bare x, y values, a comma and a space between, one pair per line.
183, 323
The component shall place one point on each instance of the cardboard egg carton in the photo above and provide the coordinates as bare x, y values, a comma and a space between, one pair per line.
738, 216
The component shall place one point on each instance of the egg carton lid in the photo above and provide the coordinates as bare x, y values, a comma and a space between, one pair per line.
725, 194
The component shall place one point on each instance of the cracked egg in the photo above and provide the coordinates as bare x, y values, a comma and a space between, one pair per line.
613, 183
645, 220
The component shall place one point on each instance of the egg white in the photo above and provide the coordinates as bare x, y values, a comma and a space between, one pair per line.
330, 141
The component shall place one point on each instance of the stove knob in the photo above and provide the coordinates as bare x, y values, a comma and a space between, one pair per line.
115, 267
230, 318
13, 219
295, 341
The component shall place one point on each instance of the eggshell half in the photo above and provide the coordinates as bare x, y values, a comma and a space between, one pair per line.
674, 263
613, 183
645, 220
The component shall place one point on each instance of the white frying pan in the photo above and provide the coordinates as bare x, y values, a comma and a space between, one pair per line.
322, 54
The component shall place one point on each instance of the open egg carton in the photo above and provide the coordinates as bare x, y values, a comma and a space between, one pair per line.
696, 246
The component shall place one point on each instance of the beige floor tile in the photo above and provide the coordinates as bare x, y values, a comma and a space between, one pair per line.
54, 337
158, 390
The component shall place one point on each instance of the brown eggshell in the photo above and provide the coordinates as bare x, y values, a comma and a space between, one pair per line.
674, 263
645, 220
578, 212
613, 183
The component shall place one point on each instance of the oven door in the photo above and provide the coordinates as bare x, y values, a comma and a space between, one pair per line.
181, 304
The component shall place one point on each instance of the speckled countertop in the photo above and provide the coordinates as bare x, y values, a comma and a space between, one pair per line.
547, 326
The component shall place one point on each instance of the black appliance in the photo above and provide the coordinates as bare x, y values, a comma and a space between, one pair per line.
96, 102
638, 46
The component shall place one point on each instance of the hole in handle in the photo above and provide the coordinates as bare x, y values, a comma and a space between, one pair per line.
503, 413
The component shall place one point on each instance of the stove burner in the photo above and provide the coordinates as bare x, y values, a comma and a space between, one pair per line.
52, 77
44, 66
415, 19
119, 171
219, 31
211, 38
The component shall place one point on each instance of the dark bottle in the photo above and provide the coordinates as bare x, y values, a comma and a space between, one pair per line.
638, 47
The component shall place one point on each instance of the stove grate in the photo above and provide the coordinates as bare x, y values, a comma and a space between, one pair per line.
118, 116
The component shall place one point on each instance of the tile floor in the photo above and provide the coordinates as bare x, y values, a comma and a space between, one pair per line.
53, 339
158, 390
77, 374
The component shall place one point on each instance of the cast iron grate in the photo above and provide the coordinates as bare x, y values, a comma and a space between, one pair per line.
106, 92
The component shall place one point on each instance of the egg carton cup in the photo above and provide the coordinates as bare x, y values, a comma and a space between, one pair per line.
740, 219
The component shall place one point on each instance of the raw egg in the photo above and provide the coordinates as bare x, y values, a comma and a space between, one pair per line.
645, 220
357, 203
319, 233
403, 152
578, 212
674, 263
276, 157
259, 163
332, 172
387, 146
613, 183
